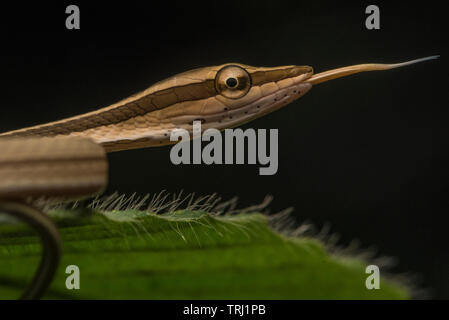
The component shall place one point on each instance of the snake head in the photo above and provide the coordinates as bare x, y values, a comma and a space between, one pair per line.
232, 94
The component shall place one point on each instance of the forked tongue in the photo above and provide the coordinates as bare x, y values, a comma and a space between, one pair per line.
346, 71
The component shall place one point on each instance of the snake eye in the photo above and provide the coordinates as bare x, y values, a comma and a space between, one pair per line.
232, 82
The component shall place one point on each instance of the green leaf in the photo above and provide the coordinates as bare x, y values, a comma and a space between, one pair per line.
185, 254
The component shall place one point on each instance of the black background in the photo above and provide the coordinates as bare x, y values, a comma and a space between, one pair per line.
367, 154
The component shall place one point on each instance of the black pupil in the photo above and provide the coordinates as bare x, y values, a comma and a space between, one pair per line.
231, 82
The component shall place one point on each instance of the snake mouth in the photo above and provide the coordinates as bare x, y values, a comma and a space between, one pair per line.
258, 108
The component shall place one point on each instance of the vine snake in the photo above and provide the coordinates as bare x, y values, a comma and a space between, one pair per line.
68, 157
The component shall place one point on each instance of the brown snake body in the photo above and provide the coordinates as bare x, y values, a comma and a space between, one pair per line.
68, 157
